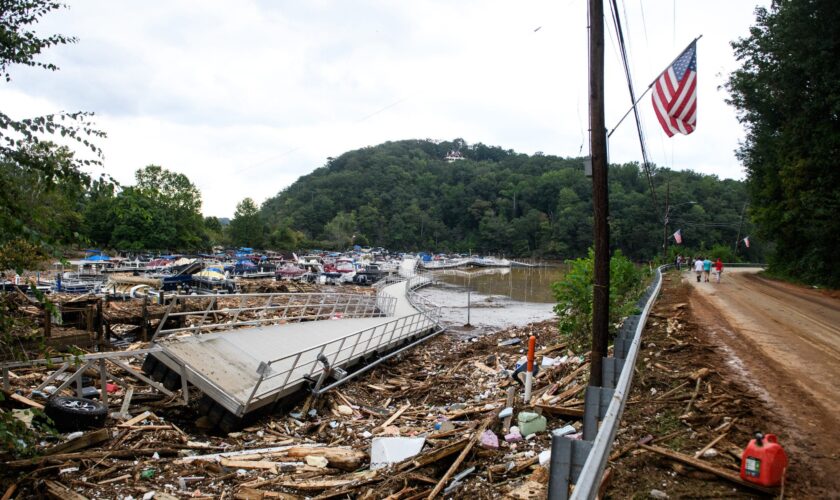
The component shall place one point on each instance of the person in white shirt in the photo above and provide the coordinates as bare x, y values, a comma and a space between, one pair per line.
698, 268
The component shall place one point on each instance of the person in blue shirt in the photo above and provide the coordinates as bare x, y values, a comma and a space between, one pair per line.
707, 269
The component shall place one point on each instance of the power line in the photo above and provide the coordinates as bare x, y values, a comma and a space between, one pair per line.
626, 64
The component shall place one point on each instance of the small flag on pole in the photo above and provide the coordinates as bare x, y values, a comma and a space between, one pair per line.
747, 241
678, 237
675, 94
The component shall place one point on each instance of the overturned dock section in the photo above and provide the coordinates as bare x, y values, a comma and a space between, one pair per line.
248, 368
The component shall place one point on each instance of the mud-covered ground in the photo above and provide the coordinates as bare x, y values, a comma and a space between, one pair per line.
725, 329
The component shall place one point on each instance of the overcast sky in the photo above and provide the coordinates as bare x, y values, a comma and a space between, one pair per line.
244, 97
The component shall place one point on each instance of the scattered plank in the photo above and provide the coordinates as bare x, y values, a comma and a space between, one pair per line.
81, 442
136, 420
457, 463
706, 467
434, 455
511, 395
60, 492
26, 401
392, 418
63, 457
114, 479
562, 411
254, 494
340, 458
9, 491
250, 464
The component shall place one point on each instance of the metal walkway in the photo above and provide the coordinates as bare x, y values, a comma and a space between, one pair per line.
243, 370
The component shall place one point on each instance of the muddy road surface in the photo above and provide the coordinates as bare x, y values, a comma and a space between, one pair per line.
785, 342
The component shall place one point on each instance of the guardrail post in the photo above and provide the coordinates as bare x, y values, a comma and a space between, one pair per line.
567, 459
595, 404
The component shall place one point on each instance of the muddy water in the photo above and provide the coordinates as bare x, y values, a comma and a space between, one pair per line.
498, 298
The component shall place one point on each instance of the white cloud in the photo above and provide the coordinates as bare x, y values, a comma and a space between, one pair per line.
244, 98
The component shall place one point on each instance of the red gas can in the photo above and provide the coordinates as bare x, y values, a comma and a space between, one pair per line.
764, 461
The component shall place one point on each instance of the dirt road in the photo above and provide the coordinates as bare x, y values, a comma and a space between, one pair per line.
785, 341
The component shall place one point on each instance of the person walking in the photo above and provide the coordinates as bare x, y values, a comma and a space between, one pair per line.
678, 261
707, 269
718, 268
698, 267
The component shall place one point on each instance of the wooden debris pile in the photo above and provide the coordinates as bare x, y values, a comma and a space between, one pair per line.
686, 423
445, 396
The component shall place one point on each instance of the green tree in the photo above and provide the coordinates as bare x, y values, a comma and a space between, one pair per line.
246, 227
787, 98
35, 180
574, 295
341, 230
214, 231
178, 197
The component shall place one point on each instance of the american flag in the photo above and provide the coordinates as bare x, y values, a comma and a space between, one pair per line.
675, 94
678, 236
747, 241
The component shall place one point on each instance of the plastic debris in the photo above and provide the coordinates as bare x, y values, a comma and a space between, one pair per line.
316, 461
564, 431
658, 494
545, 457
530, 423
388, 450
513, 436
489, 439
507, 412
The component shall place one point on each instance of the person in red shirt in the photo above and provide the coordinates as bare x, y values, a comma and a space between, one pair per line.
718, 268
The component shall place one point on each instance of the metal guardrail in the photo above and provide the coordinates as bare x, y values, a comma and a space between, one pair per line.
282, 307
582, 462
281, 375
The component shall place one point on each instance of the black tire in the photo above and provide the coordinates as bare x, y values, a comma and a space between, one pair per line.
204, 405
75, 414
160, 372
149, 364
172, 380
214, 416
229, 422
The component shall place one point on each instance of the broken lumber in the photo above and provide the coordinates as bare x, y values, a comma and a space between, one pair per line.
341, 458
26, 401
562, 411
60, 492
706, 467
434, 455
81, 442
62, 457
254, 494
462, 456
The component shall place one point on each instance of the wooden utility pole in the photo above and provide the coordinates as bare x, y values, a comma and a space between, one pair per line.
665, 223
600, 203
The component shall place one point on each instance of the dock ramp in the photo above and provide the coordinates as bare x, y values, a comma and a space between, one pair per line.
320, 336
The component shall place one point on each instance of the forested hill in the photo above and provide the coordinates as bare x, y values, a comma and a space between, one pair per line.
405, 195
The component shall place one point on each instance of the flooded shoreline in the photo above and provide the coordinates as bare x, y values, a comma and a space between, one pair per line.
498, 298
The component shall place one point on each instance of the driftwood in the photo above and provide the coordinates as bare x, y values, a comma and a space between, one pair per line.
81, 442
462, 456
706, 467
63, 457
61, 492
340, 458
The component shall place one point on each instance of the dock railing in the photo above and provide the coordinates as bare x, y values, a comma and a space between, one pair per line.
282, 375
201, 313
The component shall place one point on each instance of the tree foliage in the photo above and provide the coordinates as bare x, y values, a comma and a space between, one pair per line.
574, 296
246, 227
39, 181
404, 195
787, 97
